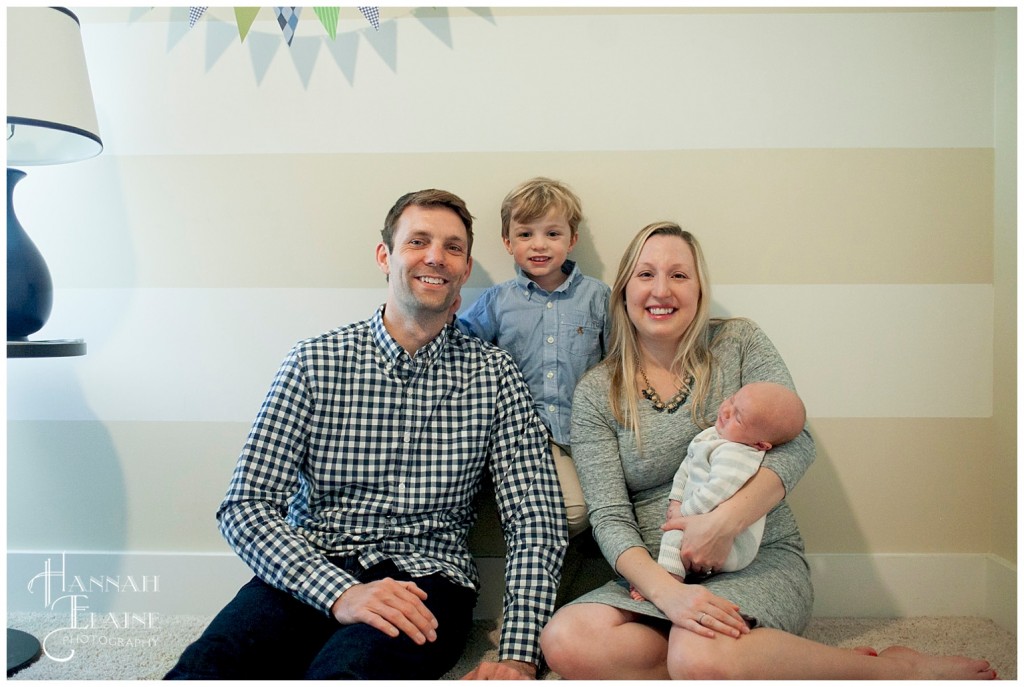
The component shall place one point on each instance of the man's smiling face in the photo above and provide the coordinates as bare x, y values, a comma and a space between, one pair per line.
429, 264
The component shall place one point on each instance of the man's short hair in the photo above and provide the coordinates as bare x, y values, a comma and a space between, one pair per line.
430, 197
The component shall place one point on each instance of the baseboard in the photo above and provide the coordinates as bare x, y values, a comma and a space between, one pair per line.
912, 585
849, 585
1001, 596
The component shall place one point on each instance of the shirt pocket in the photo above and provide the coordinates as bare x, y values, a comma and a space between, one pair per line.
578, 335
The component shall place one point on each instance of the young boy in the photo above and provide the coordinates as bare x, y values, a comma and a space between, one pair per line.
551, 317
722, 458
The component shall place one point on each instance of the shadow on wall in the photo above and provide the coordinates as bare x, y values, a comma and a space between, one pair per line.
827, 518
65, 484
65, 492
585, 253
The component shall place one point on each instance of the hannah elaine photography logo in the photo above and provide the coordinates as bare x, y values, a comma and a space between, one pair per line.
66, 593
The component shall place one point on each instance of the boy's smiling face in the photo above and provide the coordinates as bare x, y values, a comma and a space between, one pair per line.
541, 247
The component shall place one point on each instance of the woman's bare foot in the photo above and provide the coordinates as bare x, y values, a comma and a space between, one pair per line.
925, 667
635, 595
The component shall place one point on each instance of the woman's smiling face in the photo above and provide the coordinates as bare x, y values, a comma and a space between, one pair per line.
663, 292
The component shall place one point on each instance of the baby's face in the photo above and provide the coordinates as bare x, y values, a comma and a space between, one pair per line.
740, 418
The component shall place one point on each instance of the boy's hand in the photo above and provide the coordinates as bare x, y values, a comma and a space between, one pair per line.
673, 510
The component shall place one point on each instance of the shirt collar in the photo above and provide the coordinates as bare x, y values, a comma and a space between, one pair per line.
568, 267
396, 354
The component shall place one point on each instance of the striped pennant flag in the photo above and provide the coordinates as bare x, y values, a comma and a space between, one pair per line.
329, 18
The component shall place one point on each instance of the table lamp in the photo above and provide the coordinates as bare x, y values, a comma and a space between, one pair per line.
51, 120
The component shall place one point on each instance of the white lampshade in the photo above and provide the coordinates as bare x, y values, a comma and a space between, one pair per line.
51, 118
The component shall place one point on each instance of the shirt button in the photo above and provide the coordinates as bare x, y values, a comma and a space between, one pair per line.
551, 375
405, 438
551, 408
551, 339
550, 305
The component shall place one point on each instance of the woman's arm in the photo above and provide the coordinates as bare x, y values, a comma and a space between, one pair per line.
595, 449
745, 354
690, 606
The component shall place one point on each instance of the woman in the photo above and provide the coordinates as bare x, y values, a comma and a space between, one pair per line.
669, 368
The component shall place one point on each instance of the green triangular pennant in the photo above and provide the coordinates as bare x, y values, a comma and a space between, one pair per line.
329, 18
245, 16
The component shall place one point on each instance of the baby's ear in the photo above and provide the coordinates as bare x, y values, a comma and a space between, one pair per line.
763, 446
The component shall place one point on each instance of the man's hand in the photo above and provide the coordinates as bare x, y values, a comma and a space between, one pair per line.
391, 606
503, 670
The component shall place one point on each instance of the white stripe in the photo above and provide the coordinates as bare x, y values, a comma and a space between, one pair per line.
595, 82
208, 355
878, 350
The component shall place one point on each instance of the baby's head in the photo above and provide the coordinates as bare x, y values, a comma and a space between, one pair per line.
762, 415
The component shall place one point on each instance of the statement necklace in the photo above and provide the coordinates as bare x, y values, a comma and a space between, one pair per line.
651, 395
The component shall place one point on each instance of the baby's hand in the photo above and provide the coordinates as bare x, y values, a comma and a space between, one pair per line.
673, 510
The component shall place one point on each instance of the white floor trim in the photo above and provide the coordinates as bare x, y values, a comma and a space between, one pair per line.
851, 585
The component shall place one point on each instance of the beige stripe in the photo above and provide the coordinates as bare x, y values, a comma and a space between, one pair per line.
764, 216
897, 485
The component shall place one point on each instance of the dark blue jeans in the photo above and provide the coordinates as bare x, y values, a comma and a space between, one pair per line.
266, 634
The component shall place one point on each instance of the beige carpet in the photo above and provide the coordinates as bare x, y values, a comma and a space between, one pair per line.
146, 654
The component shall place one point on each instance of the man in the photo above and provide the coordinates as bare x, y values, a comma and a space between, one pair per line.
353, 496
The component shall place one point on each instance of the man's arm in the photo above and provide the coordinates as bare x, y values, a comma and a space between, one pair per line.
266, 477
503, 670
533, 519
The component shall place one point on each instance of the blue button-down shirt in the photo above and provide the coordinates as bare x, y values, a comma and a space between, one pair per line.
361, 450
553, 337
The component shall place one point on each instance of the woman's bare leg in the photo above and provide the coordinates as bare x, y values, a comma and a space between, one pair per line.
598, 642
773, 654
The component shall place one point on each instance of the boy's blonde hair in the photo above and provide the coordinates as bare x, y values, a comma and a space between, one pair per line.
532, 199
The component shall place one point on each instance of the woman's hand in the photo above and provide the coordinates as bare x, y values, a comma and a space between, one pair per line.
689, 606
707, 540
693, 607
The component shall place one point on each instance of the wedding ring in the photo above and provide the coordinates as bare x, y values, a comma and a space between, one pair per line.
700, 620
708, 571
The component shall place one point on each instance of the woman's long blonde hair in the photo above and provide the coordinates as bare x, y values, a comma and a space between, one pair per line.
694, 354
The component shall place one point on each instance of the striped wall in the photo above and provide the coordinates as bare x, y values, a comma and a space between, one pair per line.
849, 173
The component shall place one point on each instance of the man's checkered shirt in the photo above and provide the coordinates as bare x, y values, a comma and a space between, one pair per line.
360, 449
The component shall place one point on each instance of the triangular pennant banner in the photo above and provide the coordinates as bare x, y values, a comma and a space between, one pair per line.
244, 17
194, 13
372, 15
329, 18
288, 19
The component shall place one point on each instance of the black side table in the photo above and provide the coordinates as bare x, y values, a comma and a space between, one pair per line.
54, 348
22, 648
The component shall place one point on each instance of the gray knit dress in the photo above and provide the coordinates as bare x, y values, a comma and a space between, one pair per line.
627, 492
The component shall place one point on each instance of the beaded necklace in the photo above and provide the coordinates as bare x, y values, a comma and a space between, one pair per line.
673, 403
